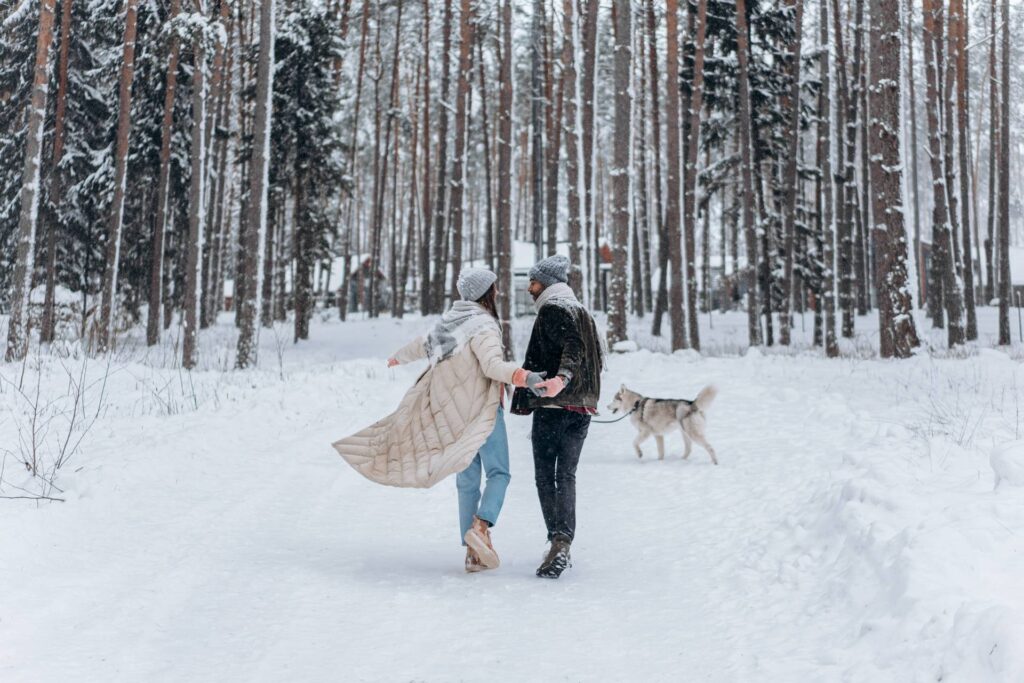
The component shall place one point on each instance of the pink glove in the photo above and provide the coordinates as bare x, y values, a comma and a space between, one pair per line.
551, 387
392, 362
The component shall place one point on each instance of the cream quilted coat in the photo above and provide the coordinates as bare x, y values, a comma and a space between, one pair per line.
441, 422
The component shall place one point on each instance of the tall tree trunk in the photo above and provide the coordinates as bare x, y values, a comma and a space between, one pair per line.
620, 171
537, 107
196, 205
46, 329
846, 193
963, 127
459, 157
217, 113
1004, 181
505, 181
675, 306
426, 286
862, 209
790, 179
410, 234
572, 151
225, 179
898, 337
588, 20
486, 135
380, 180
696, 101
942, 252
922, 286
554, 97
440, 227
640, 255
747, 171
661, 300
255, 236
124, 122
948, 123
824, 154
18, 327
993, 152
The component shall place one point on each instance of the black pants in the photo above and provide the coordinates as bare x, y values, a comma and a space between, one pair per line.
557, 438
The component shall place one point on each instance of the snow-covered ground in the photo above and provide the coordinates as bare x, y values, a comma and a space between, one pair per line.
853, 531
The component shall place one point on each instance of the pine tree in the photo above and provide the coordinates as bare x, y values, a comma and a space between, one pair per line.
18, 332
895, 307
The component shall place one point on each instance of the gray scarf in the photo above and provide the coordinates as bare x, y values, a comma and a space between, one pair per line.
460, 323
559, 293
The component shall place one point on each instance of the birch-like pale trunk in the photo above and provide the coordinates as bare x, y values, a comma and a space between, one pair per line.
31, 179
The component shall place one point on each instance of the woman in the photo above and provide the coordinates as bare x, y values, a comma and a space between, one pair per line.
452, 419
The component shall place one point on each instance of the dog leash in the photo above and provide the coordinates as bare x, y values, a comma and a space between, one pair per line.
636, 407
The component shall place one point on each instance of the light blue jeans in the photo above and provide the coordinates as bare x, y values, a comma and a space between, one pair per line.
492, 458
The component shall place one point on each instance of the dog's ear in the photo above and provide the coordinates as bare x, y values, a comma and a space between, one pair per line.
622, 387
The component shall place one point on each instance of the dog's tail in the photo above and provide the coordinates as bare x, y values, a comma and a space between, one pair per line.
705, 398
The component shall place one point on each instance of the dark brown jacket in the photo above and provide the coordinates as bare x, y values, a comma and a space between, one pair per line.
564, 341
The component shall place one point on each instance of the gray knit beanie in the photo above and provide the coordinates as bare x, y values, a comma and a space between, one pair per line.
551, 270
474, 282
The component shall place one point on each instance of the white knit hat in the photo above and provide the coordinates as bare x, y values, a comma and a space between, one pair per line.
474, 282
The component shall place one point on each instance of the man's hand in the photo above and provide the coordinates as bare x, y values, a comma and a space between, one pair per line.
392, 362
550, 388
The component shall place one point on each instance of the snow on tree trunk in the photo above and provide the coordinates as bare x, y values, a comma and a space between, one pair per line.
197, 204
942, 251
620, 171
747, 171
255, 237
690, 173
46, 331
898, 337
163, 189
912, 152
661, 298
1004, 180
675, 303
790, 180
18, 328
958, 37
505, 227
572, 151
824, 154
124, 122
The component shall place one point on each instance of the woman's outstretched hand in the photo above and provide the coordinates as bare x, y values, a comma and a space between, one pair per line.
392, 362
525, 378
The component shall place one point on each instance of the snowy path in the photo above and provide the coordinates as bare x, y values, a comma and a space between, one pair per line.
231, 544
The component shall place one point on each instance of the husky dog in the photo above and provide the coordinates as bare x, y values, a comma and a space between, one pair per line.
657, 416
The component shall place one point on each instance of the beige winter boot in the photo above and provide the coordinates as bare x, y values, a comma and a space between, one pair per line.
478, 538
472, 562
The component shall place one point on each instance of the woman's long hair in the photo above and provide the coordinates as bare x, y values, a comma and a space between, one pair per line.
489, 300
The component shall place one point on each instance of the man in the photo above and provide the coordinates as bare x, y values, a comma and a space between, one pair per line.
565, 347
